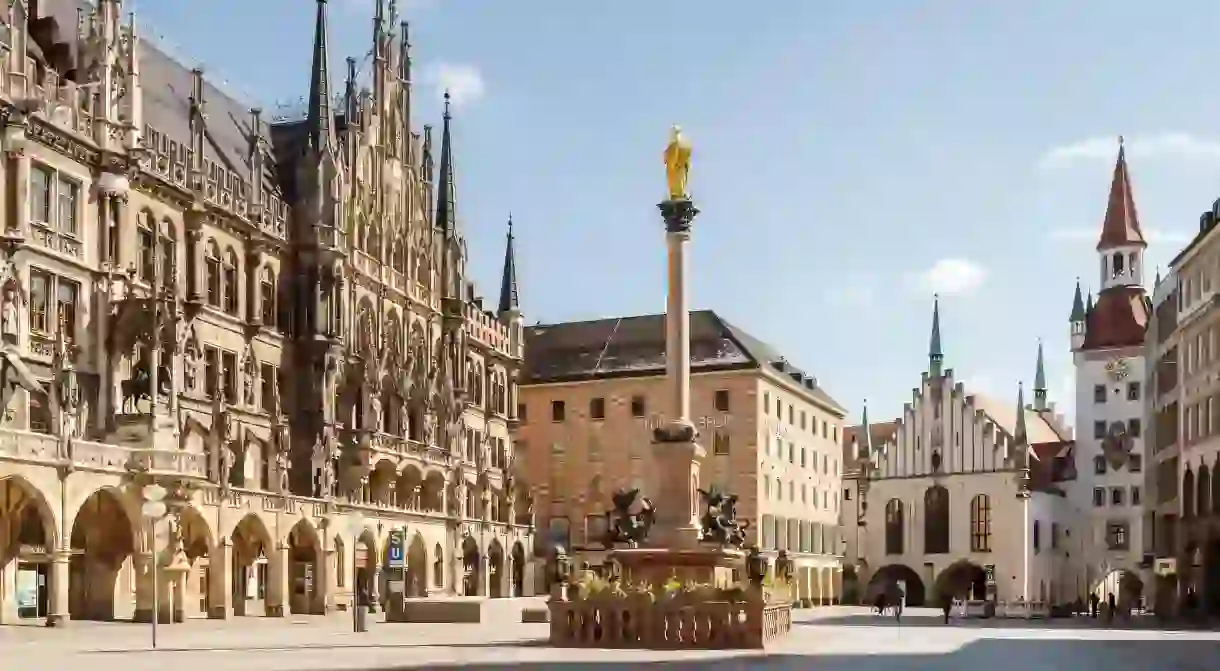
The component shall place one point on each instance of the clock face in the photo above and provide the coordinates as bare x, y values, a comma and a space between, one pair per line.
1118, 369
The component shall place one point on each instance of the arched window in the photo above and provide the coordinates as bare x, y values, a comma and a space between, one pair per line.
169, 254
936, 520
980, 523
1188, 494
144, 241
438, 567
1204, 500
358, 231
267, 295
374, 243
398, 257
230, 281
1118, 264
211, 270
893, 527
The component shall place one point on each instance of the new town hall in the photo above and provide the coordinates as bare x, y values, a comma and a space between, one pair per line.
268, 318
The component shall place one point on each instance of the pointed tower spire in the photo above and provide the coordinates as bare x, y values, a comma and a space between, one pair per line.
864, 447
320, 118
508, 283
446, 192
404, 80
1020, 433
1088, 305
936, 355
1040, 381
1078, 313
1121, 227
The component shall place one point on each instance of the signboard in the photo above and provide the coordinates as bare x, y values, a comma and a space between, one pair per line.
397, 553
1166, 566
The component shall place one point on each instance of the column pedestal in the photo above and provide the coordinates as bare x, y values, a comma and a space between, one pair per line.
279, 587
220, 581
57, 615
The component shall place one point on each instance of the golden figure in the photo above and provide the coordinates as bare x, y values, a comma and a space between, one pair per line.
677, 164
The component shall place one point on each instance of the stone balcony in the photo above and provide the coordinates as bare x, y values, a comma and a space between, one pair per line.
46, 450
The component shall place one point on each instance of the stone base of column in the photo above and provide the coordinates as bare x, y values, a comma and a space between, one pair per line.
58, 621
276, 611
218, 613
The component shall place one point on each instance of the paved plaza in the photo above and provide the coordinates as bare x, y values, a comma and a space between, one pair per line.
825, 639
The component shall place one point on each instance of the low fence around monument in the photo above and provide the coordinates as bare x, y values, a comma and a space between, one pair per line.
641, 622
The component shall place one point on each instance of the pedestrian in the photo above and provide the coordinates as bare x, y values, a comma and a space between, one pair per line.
1093, 601
946, 605
1112, 606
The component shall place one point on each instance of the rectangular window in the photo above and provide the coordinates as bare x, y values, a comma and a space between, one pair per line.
47, 314
267, 287
1136, 496
40, 301
211, 362
267, 373
804, 420
597, 408
1054, 535
847, 493
1135, 463
69, 195
1133, 391
1116, 535
1099, 429
1099, 497
637, 406
41, 179
67, 295
1037, 536
1116, 496
558, 411
1135, 428
720, 443
228, 370
1099, 393
720, 400
766, 400
1099, 465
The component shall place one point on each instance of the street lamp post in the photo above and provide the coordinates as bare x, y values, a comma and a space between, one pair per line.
154, 510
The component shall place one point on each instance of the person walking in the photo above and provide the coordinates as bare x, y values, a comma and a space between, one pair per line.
947, 605
1112, 606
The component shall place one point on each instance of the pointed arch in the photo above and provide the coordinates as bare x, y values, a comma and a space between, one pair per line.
1188, 494
894, 514
936, 520
1203, 501
232, 290
980, 523
212, 272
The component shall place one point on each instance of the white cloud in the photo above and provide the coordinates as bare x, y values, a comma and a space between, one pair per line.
1152, 235
1175, 145
463, 82
952, 277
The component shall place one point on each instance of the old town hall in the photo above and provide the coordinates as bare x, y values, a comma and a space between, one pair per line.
269, 318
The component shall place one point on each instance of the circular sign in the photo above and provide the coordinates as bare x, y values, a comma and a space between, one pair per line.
1118, 369
153, 509
153, 492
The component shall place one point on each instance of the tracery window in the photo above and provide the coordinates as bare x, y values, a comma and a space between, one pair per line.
267, 296
144, 243
230, 281
893, 527
211, 270
169, 254
936, 520
980, 523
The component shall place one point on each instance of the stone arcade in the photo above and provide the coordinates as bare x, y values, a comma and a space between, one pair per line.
266, 316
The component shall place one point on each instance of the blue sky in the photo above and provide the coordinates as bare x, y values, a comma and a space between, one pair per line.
850, 158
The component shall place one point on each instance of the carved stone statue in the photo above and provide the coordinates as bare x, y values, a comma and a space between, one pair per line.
719, 523
324, 468
248, 373
10, 308
330, 393
624, 526
190, 366
227, 461
677, 164
282, 466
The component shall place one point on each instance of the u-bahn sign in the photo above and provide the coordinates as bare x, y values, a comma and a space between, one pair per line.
397, 553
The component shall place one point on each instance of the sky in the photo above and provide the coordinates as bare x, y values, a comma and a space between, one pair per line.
850, 159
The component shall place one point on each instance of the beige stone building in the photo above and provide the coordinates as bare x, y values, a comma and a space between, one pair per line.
962, 496
270, 318
1187, 421
592, 392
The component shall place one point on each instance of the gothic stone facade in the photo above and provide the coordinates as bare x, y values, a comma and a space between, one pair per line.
593, 391
270, 320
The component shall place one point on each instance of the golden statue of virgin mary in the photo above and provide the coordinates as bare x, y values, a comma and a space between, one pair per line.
677, 164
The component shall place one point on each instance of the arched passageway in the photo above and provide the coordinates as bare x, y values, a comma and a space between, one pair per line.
1126, 587
518, 569
902, 575
304, 572
417, 567
27, 541
1210, 596
365, 564
248, 566
960, 580
471, 567
103, 542
495, 570
190, 543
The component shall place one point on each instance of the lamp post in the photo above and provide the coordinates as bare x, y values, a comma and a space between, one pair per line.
154, 510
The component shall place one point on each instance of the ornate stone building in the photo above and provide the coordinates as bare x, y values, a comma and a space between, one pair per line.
962, 496
267, 317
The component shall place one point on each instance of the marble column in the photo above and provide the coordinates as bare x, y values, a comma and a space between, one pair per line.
57, 606
220, 580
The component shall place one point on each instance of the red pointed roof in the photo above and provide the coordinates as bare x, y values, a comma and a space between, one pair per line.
1121, 227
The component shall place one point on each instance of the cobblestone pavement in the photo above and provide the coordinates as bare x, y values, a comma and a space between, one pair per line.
833, 639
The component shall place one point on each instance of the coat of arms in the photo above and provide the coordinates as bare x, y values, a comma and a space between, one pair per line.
1117, 444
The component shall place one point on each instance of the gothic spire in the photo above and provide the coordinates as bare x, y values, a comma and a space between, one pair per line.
1088, 305
508, 283
320, 117
1020, 434
1121, 227
404, 76
446, 192
1040, 381
936, 355
1078, 313
864, 448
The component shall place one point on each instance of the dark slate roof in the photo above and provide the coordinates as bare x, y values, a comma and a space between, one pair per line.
635, 347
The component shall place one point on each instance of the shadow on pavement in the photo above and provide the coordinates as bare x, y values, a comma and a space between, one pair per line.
1045, 655
927, 620
538, 643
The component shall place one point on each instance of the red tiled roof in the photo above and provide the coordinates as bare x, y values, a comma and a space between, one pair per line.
1118, 319
881, 432
1121, 227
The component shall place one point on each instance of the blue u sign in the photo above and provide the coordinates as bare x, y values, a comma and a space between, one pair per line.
396, 554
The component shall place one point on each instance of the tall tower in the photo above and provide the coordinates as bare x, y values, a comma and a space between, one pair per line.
509, 310
936, 356
1108, 346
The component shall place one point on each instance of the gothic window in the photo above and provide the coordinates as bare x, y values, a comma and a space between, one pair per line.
144, 243
267, 295
936, 520
893, 527
228, 373
1204, 500
1188, 494
398, 256
980, 524
211, 270
169, 254
39, 412
358, 232
364, 335
230, 281
438, 566
374, 242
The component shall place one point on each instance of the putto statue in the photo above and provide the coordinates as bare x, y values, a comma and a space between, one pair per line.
677, 164
624, 526
719, 523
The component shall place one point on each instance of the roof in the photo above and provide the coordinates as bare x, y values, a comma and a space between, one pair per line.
882, 433
1119, 318
1038, 426
635, 347
1121, 226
